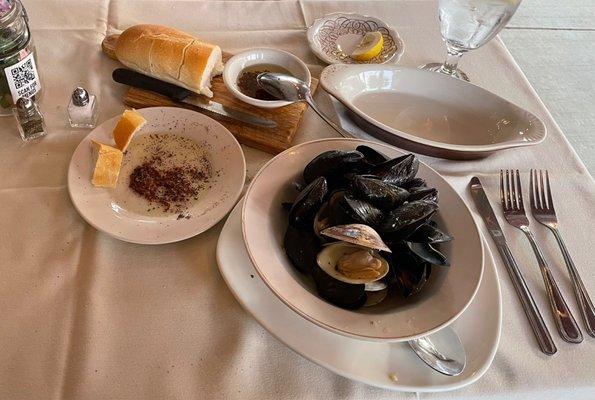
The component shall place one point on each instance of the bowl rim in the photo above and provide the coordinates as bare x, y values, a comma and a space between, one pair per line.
329, 71
230, 79
315, 27
476, 232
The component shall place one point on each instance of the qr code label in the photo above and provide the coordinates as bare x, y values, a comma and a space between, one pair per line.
23, 78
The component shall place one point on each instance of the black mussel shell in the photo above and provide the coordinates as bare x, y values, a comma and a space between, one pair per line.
397, 171
429, 233
302, 247
406, 218
346, 209
307, 203
428, 253
412, 281
423, 193
333, 164
415, 183
372, 156
341, 294
377, 192
410, 272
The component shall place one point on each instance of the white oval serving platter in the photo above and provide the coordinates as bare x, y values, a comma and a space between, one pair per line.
372, 363
430, 113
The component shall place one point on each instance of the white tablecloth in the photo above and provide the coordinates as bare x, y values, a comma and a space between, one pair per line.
85, 316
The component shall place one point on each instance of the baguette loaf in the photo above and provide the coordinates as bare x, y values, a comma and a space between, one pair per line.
170, 55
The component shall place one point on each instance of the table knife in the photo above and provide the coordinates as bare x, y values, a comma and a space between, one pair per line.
540, 330
182, 95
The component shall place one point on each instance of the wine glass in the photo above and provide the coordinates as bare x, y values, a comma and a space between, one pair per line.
467, 25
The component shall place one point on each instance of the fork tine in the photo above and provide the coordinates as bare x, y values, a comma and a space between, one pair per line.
521, 206
550, 200
513, 191
542, 191
537, 190
531, 190
502, 199
508, 198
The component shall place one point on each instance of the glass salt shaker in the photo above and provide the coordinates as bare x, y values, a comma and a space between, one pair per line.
82, 109
29, 119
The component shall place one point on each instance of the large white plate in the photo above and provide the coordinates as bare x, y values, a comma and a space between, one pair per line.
430, 113
364, 361
446, 295
103, 209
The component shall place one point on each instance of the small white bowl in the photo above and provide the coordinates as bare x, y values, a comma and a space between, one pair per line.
248, 58
334, 36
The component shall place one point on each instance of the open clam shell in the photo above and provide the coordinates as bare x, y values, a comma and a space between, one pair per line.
328, 258
358, 234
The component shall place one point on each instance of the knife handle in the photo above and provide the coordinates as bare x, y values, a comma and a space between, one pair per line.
141, 81
544, 339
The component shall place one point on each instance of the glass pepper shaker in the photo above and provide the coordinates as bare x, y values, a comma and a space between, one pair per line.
82, 109
29, 119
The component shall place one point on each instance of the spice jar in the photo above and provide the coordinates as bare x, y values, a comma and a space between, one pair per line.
82, 109
29, 119
18, 66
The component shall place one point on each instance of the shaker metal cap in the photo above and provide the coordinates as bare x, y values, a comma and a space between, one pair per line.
80, 96
25, 106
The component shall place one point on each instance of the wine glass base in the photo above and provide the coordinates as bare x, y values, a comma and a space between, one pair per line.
436, 67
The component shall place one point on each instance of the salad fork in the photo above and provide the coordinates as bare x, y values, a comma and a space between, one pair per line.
542, 206
511, 197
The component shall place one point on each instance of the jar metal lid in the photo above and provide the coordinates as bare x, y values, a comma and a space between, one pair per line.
25, 106
80, 96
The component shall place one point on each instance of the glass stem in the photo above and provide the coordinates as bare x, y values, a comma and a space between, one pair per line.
453, 56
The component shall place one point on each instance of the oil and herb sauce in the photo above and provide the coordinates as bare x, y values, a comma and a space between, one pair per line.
249, 86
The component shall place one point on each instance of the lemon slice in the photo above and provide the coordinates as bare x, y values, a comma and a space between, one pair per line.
369, 47
130, 122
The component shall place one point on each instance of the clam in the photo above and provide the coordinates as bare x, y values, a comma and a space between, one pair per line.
352, 264
357, 234
375, 297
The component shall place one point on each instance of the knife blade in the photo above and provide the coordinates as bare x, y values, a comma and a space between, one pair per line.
542, 334
182, 95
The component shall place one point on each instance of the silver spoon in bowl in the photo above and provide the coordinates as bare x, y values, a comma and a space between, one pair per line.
289, 88
441, 351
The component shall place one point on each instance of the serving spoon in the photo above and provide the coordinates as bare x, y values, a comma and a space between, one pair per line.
441, 351
289, 88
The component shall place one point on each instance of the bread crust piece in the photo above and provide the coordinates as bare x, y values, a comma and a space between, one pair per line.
170, 55
107, 161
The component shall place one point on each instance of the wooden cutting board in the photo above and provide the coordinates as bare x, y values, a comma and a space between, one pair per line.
271, 140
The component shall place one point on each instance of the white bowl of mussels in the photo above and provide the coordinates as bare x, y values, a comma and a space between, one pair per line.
362, 239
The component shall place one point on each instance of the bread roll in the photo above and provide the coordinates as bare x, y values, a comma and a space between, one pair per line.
170, 55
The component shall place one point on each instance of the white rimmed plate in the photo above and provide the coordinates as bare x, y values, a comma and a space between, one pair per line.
333, 37
107, 212
430, 113
448, 292
368, 362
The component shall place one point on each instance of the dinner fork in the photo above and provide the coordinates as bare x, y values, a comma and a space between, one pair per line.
511, 197
542, 206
